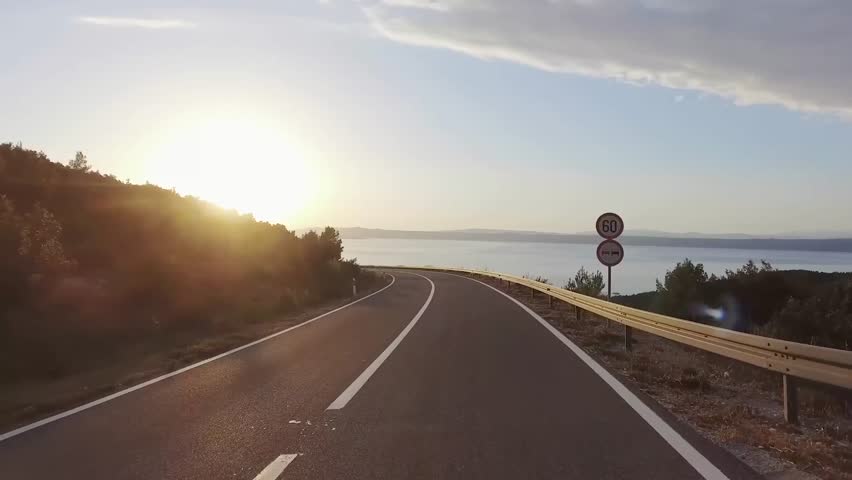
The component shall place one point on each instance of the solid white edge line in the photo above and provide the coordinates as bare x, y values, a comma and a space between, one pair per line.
115, 395
359, 382
689, 453
274, 469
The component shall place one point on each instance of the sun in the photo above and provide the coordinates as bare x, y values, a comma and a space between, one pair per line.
239, 164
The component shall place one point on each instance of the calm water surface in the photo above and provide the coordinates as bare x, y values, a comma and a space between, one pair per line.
559, 261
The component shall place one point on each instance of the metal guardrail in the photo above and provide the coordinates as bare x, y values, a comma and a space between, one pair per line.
809, 362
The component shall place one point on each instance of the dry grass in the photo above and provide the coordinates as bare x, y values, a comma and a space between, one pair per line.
738, 406
25, 402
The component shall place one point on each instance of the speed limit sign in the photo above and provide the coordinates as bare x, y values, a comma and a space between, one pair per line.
609, 225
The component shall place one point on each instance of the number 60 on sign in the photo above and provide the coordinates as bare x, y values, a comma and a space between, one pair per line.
609, 226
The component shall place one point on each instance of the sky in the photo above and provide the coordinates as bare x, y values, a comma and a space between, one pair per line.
681, 115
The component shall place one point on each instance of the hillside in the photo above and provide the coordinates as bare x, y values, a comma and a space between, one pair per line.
95, 268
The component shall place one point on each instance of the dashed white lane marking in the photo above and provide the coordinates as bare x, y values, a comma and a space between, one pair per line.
115, 395
274, 469
689, 453
359, 382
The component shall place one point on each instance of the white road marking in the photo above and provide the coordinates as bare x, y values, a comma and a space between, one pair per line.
359, 382
115, 395
689, 453
274, 469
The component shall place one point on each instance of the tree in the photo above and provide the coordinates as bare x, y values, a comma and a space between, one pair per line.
331, 244
759, 290
9, 230
586, 283
10, 238
683, 286
12, 284
41, 243
749, 271
824, 319
311, 251
80, 163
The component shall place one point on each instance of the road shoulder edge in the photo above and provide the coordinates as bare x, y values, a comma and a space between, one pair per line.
669, 429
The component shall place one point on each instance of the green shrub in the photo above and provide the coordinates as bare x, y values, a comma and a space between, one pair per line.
822, 319
586, 283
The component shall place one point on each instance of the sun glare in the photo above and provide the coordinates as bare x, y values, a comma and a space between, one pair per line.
237, 164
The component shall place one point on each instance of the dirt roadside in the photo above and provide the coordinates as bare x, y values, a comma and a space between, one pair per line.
735, 405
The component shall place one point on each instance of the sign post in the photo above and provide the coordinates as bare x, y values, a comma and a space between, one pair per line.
610, 253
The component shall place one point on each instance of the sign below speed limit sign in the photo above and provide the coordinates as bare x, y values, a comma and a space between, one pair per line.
609, 225
610, 253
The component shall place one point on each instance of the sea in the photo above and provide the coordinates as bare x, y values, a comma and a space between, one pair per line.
641, 267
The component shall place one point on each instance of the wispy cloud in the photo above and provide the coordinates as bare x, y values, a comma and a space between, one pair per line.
793, 53
129, 22
679, 98
425, 4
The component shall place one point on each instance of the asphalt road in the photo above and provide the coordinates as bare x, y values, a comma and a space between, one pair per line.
437, 376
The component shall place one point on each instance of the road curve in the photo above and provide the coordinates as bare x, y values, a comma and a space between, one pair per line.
438, 376
226, 419
482, 390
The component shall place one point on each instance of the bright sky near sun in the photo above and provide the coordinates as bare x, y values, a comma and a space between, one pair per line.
694, 115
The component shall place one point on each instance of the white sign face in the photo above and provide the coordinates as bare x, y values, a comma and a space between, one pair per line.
610, 253
609, 225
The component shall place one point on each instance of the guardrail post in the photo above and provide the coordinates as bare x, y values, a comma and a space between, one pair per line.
791, 400
532, 293
578, 314
628, 338
550, 300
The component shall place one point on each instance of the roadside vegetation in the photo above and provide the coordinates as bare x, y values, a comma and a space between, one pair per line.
98, 272
798, 305
586, 283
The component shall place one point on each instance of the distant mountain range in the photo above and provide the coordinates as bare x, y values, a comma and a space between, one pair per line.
634, 237
804, 235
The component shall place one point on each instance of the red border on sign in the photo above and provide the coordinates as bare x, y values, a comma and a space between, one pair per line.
598, 252
620, 222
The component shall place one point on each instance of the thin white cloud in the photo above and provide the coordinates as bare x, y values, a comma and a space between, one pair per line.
128, 22
679, 98
794, 53
426, 4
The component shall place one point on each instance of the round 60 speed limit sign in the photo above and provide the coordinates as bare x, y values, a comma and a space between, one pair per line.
609, 225
610, 253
